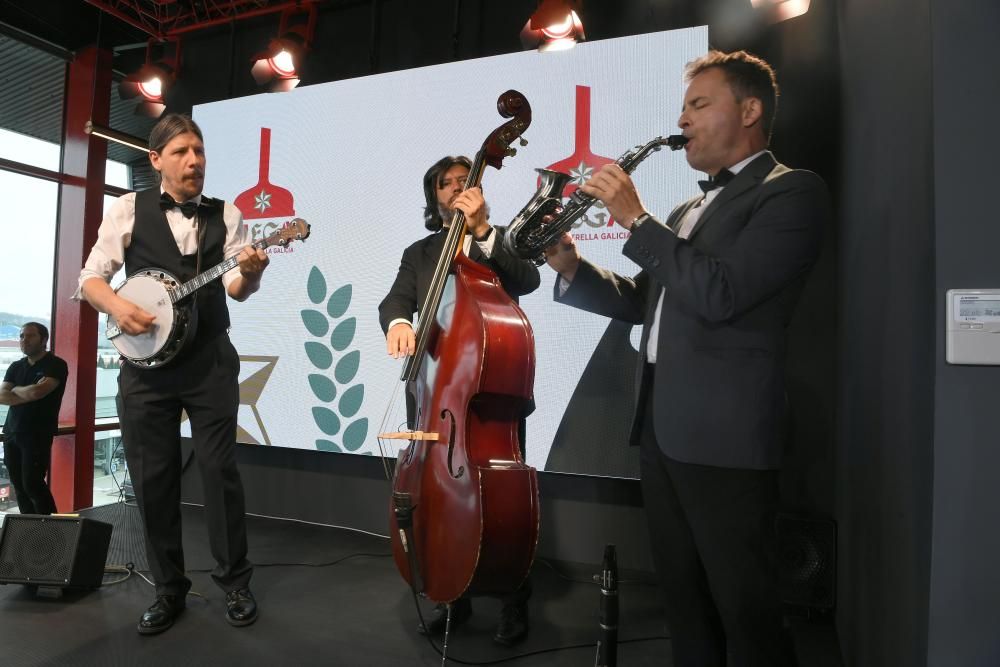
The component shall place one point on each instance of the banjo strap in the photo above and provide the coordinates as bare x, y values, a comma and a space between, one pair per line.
200, 222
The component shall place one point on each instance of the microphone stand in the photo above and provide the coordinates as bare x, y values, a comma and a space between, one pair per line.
607, 645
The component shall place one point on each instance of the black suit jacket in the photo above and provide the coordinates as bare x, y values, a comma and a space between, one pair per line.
416, 270
719, 391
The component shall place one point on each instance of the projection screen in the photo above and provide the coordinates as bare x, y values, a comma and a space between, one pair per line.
349, 156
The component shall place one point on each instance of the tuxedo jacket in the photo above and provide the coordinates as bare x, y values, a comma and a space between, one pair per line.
719, 387
416, 270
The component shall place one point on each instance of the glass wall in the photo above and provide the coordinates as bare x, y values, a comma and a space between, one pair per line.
26, 272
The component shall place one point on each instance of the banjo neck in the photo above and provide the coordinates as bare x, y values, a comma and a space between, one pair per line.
297, 229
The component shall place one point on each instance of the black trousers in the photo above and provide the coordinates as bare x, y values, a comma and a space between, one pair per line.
27, 457
713, 541
205, 385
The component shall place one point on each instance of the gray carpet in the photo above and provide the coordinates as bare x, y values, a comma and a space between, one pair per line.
327, 597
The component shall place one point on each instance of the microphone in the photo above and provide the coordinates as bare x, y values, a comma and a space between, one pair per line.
607, 645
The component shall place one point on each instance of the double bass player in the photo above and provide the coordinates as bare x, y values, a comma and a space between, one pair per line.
445, 194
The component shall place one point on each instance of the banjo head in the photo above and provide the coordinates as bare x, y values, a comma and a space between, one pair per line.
149, 290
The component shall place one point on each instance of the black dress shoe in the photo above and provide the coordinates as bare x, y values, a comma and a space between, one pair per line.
161, 614
513, 624
241, 608
460, 613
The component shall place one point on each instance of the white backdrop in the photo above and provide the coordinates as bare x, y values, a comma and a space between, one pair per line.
352, 153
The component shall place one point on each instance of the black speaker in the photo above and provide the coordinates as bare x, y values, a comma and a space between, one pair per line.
58, 551
807, 561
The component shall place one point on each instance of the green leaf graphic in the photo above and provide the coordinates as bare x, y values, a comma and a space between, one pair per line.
343, 334
323, 388
327, 446
347, 367
315, 322
339, 301
316, 286
354, 435
327, 420
319, 355
350, 402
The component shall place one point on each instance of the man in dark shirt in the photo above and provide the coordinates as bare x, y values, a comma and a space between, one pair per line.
33, 388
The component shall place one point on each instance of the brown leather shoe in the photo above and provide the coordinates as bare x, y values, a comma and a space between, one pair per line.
161, 614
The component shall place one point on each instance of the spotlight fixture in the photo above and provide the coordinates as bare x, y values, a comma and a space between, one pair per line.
278, 67
151, 82
116, 136
780, 10
555, 26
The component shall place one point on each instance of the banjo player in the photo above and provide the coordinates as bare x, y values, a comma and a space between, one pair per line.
175, 228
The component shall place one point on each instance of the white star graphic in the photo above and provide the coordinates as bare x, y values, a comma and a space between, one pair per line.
263, 201
580, 175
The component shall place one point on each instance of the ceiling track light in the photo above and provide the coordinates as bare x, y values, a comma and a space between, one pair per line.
151, 82
278, 68
555, 26
775, 11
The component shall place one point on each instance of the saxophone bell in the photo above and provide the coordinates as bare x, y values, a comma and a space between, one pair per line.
526, 233
545, 218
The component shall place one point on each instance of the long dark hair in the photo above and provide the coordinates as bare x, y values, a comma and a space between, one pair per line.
432, 214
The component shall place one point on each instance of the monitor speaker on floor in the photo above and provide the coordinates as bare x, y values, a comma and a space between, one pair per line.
807, 562
53, 551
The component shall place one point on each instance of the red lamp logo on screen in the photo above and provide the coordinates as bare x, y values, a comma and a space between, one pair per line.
581, 165
266, 207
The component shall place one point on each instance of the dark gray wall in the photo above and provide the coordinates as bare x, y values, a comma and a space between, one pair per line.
964, 614
917, 501
887, 316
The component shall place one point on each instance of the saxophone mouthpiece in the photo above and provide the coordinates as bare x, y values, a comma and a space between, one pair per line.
676, 141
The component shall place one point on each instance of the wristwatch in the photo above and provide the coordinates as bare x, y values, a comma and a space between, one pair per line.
638, 222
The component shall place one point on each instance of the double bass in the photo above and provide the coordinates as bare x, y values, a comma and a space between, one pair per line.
464, 512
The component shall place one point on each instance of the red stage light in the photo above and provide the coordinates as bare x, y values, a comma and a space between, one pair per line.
555, 26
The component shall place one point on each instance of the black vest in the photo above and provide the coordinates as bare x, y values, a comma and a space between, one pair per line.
153, 246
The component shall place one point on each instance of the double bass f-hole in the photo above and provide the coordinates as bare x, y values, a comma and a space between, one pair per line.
446, 413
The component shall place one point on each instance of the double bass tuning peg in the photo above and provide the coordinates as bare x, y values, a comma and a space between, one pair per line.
510, 152
523, 141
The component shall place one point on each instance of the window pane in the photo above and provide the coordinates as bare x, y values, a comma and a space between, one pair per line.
31, 115
109, 467
115, 173
22, 148
26, 276
107, 357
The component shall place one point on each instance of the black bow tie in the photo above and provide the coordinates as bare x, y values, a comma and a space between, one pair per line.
717, 181
188, 208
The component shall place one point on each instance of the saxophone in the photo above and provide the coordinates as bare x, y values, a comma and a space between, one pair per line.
544, 218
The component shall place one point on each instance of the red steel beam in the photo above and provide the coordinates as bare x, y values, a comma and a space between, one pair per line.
161, 26
74, 324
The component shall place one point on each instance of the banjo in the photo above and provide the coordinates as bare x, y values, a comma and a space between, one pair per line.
164, 297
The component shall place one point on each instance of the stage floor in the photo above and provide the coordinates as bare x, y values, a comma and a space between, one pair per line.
327, 596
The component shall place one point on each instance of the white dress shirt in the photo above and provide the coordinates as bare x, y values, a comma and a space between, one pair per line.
115, 235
